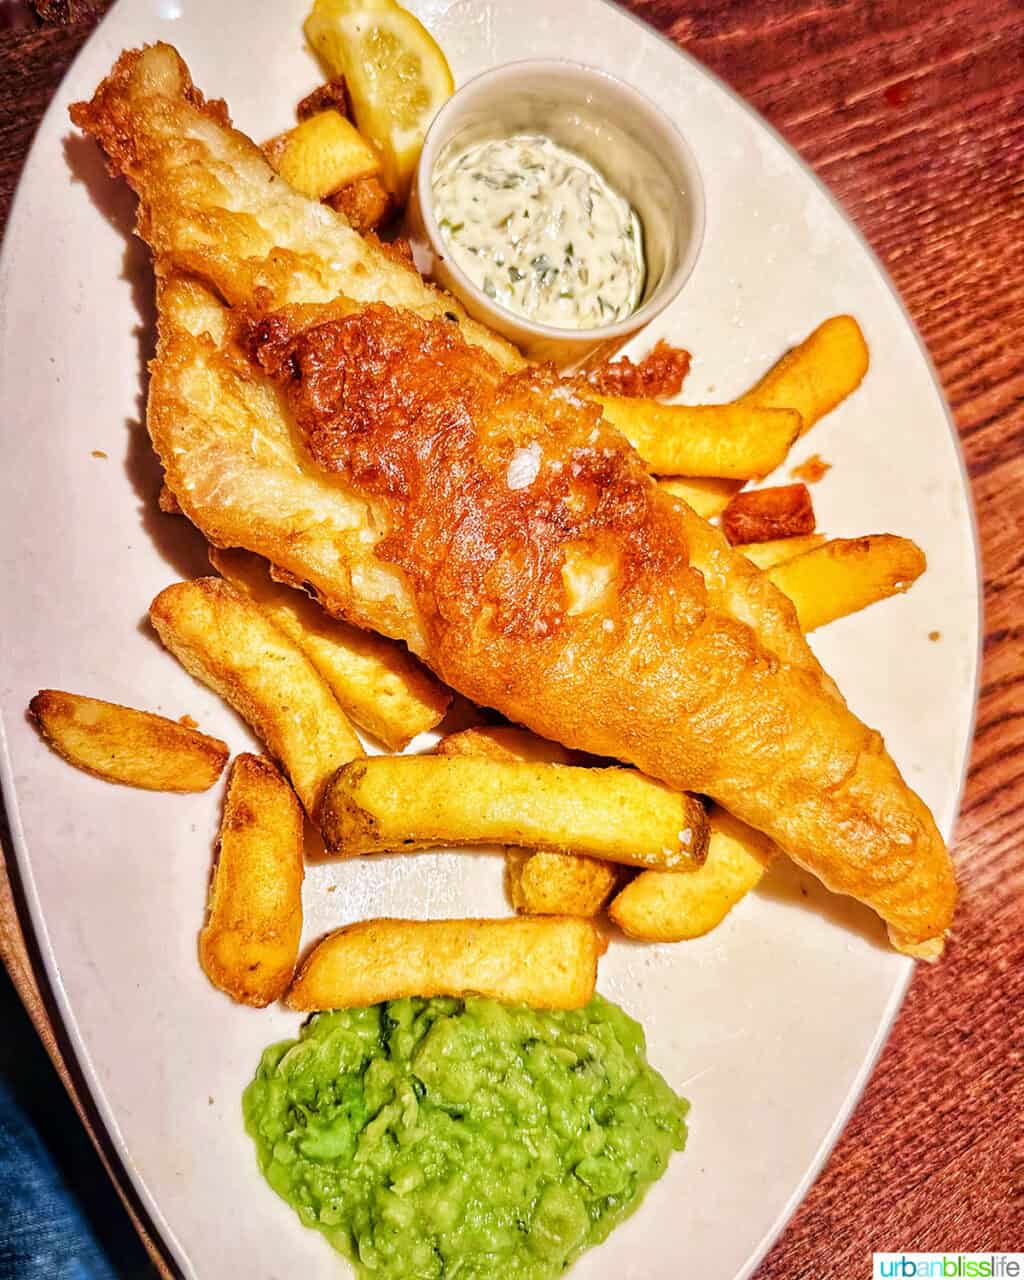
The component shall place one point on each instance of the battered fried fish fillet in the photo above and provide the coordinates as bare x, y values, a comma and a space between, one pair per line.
314, 401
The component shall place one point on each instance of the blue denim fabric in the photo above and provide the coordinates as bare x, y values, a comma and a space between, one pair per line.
43, 1235
60, 1219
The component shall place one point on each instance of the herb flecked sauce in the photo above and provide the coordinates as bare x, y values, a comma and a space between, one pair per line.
540, 231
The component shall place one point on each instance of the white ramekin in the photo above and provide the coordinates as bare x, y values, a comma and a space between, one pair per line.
623, 135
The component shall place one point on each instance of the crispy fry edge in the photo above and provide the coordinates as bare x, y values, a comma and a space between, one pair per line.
54, 712
368, 955
238, 938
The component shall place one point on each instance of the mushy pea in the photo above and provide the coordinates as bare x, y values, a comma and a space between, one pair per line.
463, 1138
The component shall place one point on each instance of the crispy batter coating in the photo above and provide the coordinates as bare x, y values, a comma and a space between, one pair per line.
426, 486
492, 482
167, 502
212, 205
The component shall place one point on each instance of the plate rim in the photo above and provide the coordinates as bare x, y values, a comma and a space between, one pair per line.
110, 1139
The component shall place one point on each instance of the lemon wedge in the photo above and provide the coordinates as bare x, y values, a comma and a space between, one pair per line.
323, 34
396, 74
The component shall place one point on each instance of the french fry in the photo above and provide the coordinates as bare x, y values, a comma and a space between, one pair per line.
728, 441
379, 684
706, 495
505, 742
847, 574
402, 803
365, 203
817, 375
549, 963
539, 883
225, 641
759, 515
659, 907
120, 744
766, 554
322, 154
559, 884
250, 941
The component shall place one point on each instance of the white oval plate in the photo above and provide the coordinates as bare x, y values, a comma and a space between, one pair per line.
770, 1024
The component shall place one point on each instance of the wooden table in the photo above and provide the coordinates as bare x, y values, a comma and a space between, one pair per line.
913, 112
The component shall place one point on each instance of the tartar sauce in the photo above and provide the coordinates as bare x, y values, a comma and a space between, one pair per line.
540, 231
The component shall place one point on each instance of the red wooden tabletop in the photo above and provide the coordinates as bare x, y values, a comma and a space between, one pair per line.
913, 112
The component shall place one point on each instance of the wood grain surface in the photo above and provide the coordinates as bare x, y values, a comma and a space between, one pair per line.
913, 112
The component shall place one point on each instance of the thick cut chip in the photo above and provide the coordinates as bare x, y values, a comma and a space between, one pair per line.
727, 441
847, 574
250, 941
226, 642
322, 154
377, 682
759, 515
817, 375
505, 742
539, 883
549, 963
705, 495
121, 744
542, 883
657, 907
766, 554
396, 803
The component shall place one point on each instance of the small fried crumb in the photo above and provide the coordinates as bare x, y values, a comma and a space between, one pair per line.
660, 373
188, 722
934, 635
98, 453
167, 502
332, 96
365, 203
813, 470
